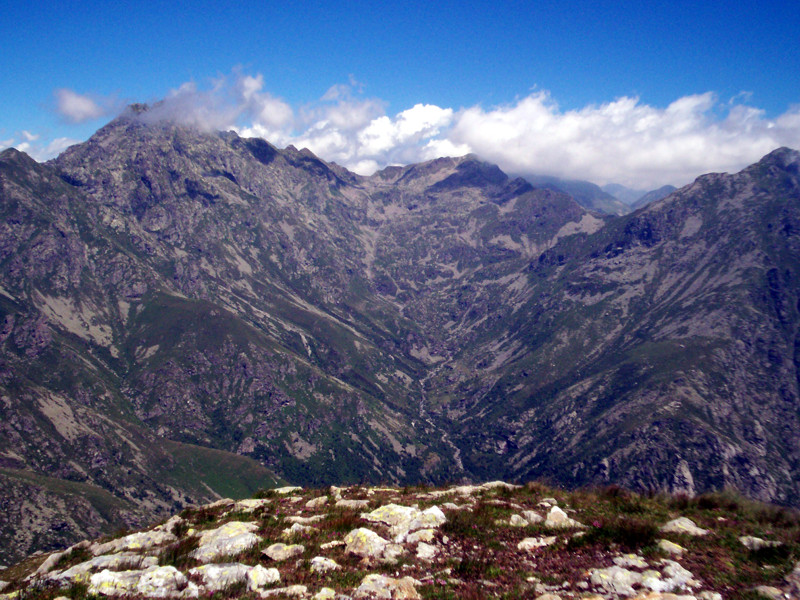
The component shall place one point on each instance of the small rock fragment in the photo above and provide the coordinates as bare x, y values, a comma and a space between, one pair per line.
143, 540
530, 544
298, 591
162, 582
630, 560
259, 577
217, 577
518, 521
380, 586
296, 529
422, 535
114, 583
305, 520
251, 504
754, 543
616, 580
124, 561
354, 504
685, 526
558, 519
365, 543
280, 552
676, 575
793, 580
317, 502
491, 485
321, 564
532, 517
427, 519
670, 547
426, 551
392, 552
46, 566
231, 538
770, 592
170, 525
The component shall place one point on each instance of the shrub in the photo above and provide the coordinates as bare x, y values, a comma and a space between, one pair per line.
630, 534
177, 553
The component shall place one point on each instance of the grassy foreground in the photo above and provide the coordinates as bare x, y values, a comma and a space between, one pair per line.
476, 552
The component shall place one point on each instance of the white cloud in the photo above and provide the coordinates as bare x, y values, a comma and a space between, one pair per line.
78, 108
39, 150
57, 146
623, 141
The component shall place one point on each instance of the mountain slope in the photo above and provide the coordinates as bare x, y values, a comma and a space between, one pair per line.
148, 296
653, 195
660, 352
587, 194
168, 294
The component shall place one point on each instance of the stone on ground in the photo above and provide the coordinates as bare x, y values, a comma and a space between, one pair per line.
558, 519
352, 503
364, 543
616, 580
114, 583
216, 577
280, 552
321, 564
426, 551
297, 591
755, 543
230, 538
532, 543
683, 525
144, 540
163, 582
670, 547
380, 586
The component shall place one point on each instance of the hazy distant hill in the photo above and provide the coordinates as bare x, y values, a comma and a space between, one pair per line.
653, 195
587, 194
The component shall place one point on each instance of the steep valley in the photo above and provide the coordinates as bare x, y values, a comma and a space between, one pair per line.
187, 315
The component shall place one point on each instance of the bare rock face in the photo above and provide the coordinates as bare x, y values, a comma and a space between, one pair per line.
175, 301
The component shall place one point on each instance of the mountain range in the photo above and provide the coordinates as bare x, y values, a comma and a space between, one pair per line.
188, 314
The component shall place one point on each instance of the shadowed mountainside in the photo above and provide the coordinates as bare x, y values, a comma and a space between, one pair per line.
168, 293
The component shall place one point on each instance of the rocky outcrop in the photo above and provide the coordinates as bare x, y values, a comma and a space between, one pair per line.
470, 549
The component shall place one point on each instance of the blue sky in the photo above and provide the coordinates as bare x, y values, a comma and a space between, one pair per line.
643, 93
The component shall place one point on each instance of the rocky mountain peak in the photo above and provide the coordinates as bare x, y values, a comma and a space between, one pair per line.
173, 300
783, 157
